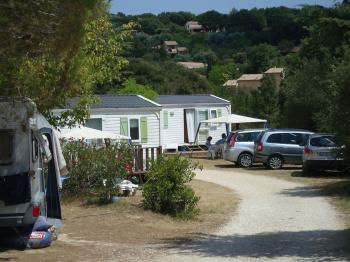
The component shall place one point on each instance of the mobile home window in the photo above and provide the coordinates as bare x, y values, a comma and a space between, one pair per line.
213, 114
95, 123
6, 147
134, 124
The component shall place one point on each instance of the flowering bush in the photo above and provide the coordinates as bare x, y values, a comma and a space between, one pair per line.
95, 170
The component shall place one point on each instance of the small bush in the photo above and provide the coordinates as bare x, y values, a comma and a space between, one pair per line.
95, 171
166, 191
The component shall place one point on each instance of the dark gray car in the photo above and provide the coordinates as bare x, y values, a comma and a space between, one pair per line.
275, 147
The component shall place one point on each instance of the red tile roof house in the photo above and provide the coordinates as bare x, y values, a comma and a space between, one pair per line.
250, 82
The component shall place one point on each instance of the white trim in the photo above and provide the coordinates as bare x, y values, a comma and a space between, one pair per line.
221, 98
148, 100
139, 125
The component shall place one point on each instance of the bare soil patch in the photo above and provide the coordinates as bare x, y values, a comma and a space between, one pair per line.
124, 230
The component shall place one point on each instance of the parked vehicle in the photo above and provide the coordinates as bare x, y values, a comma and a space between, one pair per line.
31, 162
322, 152
239, 146
275, 147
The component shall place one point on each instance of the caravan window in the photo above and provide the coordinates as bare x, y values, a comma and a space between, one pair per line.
134, 128
6, 146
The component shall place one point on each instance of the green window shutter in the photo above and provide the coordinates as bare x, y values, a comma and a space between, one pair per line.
124, 126
165, 119
219, 114
206, 113
144, 129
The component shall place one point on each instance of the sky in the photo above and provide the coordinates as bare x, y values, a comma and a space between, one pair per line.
134, 7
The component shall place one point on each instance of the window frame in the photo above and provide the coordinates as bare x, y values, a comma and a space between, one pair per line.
139, 128
11, 134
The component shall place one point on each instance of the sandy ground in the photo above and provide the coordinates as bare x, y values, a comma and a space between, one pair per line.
277, 220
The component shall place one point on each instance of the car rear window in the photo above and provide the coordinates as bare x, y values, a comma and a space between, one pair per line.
323, 141
6, 146
292, 138
247, 137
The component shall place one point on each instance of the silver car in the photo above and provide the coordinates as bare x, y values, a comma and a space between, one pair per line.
322, 152
239, 146
275, 147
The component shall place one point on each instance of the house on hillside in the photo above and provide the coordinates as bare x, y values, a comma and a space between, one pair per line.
130, 115
181, 115
171, 47
231, 83
193, 26
192, 65
182, 50
277, 73
250, 82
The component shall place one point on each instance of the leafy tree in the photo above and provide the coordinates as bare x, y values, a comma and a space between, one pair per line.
261, 57
212, 20
53, 50
220, 73
131, 87
265, 101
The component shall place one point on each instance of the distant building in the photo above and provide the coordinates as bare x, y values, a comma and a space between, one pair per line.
192, 65
231, 83
250, 82
193, 26
182, 50
277, 73
171, 47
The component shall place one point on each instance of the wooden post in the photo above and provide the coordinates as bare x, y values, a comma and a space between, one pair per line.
140, 157
147, 158
152, 154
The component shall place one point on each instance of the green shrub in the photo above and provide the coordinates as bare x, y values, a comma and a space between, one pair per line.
166, 191
94, 171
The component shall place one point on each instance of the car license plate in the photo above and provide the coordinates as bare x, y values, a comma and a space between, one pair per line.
325, 154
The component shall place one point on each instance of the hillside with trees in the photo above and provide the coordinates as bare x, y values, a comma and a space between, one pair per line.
311, 43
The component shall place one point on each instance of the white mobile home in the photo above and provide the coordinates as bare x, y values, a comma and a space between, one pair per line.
130, 115
170, 121
181, 115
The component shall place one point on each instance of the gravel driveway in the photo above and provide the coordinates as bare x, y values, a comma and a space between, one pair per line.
276, 220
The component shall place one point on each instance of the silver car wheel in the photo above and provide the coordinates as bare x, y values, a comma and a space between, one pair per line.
275, 162
245, 160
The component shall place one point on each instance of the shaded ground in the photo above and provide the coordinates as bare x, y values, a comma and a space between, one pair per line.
125, 231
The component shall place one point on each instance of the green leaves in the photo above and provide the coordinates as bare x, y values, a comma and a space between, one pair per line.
166, 191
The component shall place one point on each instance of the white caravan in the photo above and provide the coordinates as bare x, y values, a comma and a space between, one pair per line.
31, 163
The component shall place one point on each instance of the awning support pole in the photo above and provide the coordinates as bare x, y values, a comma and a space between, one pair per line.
195, 139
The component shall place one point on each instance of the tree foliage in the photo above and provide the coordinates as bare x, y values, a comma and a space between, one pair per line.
166, 190
131, 87
53, 50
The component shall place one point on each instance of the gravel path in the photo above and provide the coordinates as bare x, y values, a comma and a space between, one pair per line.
276, 220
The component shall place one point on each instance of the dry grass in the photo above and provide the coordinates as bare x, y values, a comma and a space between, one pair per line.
91, 233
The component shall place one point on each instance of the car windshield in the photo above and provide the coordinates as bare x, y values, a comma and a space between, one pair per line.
323, 141
6, 147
